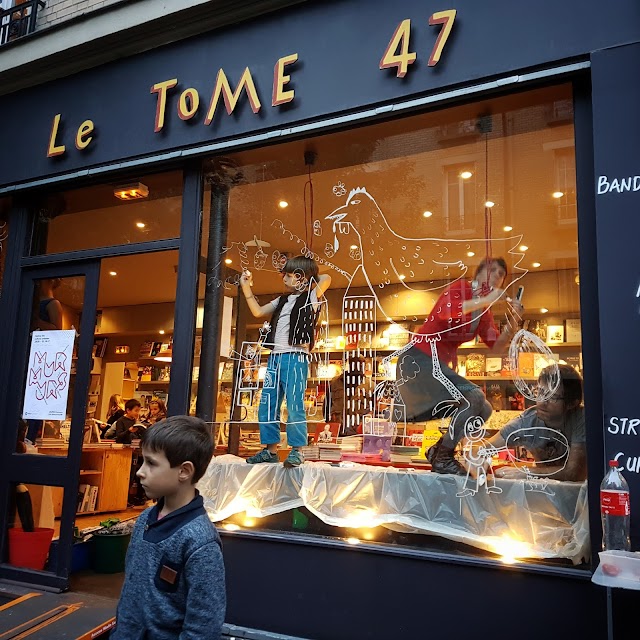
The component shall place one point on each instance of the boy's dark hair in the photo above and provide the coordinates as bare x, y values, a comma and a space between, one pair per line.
131, 404
302, 266
569, 379
182, 439
487, 262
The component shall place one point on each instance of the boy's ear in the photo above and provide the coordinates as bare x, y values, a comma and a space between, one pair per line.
187, 469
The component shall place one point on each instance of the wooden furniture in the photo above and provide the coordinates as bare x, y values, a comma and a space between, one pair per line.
102, 466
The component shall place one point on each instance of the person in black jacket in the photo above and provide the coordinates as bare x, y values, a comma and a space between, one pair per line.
127, 427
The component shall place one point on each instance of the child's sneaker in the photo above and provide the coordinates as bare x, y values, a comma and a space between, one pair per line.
263, 456
294, 459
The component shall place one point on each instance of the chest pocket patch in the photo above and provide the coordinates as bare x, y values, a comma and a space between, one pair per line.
167, 576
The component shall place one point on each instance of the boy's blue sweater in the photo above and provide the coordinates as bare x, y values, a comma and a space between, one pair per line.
174, 578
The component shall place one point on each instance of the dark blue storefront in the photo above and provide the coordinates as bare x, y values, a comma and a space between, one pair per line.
316, 68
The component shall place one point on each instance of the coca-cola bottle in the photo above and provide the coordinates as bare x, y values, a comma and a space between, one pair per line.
615, 511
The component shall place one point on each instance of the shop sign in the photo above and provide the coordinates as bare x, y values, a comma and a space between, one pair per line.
47, 387
397, 55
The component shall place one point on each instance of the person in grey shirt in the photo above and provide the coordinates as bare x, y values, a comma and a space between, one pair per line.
553, 431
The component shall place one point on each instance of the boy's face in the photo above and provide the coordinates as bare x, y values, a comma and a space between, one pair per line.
134, 413
157, 477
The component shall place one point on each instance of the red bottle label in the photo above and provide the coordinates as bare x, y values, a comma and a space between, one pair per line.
615, 503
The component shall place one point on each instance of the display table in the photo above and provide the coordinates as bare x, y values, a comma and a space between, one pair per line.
523, 520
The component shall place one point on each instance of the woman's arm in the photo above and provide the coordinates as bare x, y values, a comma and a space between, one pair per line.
255, 308
324, 282
475, 304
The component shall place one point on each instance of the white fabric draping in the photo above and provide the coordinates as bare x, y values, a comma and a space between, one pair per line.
550, 522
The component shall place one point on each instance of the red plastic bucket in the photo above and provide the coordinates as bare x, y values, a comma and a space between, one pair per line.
29, 548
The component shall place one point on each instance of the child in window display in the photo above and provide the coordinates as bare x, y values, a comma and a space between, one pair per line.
294, 316
461, 313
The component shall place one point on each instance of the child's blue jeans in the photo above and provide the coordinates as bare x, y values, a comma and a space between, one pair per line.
285, 379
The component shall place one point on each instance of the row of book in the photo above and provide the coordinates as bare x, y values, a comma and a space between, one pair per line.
87, 498
528, 365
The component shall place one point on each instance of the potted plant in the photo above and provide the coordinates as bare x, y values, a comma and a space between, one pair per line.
110, 543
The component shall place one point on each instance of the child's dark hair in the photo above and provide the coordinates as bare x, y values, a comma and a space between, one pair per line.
131, 404
182, 439
302, 266
487, 262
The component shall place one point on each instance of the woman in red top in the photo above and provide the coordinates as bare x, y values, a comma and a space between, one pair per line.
427, 388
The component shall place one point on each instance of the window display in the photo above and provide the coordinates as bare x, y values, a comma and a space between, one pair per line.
442, 366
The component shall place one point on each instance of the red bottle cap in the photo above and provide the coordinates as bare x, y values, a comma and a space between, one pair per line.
613, 463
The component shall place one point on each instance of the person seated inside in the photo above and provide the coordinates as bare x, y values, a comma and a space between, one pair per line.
157, 412
128, 427
561, 455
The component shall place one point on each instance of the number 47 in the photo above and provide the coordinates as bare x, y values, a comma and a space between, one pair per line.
400, 40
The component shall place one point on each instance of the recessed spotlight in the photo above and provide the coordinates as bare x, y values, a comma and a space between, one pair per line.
113, 273
140, 225
507, 228
465, 175
489, 204
324, 323
231, 527
228, 261
353, 246
557, 194
161, 332
523, 247
133, 191
353, 541
283, 204
535, 265
544, 310
471, 254
402, 277
427, 214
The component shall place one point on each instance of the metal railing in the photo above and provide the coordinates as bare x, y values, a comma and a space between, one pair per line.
19, 20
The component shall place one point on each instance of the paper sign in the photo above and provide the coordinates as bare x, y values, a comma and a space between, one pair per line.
47, 388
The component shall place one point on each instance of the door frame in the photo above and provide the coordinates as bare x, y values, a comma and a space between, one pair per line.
48, 470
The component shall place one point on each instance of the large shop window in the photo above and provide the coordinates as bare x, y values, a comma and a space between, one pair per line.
124, 211
431, 407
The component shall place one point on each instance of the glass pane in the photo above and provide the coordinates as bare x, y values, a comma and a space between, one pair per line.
422, 358
51, 369
33, 522
4, 236
98, 216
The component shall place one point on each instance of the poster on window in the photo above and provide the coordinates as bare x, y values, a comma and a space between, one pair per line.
47, 388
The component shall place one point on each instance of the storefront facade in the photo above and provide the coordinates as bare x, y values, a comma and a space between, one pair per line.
364, 135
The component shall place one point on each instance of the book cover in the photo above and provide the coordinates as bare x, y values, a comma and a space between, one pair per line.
146, 348
555, 334
93, 499
526, 364
85, 497
493, 366
573, 331
476, 364
377, 445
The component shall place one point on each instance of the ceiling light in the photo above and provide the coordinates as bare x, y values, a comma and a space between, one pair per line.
324, 323
133, 191
535, 265
507, 228
353, 246
231, 527
465, 175
161, 332
113, 273
353, 541
228, 261
523, 247
140, 225
557, 194
427, 214
489, 204
283, 204
402, 277
470, 254
544, 310
165, 354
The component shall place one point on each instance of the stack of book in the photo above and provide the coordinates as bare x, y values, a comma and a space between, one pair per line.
51, 443
330, 452
87, 498
350, 444
311, 452
403, 454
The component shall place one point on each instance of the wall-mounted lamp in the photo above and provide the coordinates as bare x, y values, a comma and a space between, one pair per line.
133, 191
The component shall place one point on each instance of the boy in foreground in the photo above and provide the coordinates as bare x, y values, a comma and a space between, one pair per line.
174, 578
